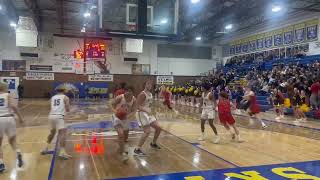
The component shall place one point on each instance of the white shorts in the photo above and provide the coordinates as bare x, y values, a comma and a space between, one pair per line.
8, 126
122, 123
57, 122
207, 113
144, 119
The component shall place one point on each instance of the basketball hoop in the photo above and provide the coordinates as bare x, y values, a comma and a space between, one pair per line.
132, 27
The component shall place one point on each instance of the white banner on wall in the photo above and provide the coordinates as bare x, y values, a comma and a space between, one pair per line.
42, 76
100, 77
169, 80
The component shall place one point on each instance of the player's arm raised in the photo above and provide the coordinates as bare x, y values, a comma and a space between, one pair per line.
14, 108
140, 100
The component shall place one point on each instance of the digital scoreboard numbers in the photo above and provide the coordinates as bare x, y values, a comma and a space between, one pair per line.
93, 50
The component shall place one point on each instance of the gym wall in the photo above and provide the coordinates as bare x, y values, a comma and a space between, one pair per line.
42, 89
58, 53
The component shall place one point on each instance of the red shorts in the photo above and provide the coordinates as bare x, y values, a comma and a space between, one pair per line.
167, 103
226, 118
255, 109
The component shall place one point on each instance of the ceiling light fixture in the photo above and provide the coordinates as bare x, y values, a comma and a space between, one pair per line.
195, 1
229, 26
198, 38
164, 21
276, 8
13, 24
93, 7
83, 29
87, 14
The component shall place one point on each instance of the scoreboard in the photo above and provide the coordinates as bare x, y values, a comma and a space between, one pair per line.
93, 50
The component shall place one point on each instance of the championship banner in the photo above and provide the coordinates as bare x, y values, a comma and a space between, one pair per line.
101, 77
288, 35
252, 43
238, 48
268, 41
299, 33
40, 76
277, 37
260, 41
244, 46
252, 46
312, 29
167, 80
232, 50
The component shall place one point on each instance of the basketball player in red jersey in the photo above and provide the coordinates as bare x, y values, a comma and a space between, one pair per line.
254, 107
225, 116
146, 120
121, 90
124, 102
166, 95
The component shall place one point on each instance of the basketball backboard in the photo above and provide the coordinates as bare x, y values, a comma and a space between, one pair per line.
162, 16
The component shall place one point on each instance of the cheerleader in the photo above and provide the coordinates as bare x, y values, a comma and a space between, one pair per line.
174, 93
296, 99
303, 102
254, 108
299, 100
278, 102
225, 116
166, 95
197, 94
192, 97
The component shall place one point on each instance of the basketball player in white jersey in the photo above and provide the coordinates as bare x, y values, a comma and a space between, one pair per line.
8, 124
127, 101
59, 106
209, 105
146, 120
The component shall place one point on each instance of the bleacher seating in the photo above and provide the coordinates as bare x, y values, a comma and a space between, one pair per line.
262, 100
269, 64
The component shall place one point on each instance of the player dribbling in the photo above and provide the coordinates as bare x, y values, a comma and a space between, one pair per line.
123, 106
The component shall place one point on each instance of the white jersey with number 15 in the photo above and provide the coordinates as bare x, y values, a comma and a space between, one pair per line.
58, 105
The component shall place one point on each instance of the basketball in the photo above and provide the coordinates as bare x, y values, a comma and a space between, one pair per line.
122, 113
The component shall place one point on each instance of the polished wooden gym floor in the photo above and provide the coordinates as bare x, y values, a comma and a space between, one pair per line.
95, 155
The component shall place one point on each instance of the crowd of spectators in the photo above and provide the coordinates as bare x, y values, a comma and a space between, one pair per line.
291, 80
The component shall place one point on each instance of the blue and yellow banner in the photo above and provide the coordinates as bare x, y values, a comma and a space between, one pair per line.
297, 33
312, 29
85, 89
277, 37
288, 35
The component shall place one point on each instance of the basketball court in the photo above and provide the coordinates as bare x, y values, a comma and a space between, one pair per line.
91, 49
93, 146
